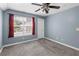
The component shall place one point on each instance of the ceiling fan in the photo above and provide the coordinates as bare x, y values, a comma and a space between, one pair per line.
45, 7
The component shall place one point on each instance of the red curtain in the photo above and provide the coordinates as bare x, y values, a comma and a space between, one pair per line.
11, 25
33, 26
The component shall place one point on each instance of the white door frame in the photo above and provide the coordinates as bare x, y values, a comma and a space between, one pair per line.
40, 28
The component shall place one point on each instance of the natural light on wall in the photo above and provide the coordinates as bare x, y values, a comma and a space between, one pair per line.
22, 26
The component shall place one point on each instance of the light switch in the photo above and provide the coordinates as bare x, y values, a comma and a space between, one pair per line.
77, 29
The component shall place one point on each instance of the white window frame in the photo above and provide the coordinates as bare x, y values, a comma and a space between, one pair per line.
24, 33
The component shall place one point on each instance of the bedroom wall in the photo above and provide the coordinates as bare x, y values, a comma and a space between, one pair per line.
64, 27
0, 28
7, 40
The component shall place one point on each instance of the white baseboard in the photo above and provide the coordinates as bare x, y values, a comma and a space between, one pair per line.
63, 44
37, 39
19, 42
1, 50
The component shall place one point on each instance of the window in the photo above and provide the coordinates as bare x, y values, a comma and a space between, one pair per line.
22, 26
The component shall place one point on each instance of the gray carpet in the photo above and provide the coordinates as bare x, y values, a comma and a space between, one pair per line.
40, 47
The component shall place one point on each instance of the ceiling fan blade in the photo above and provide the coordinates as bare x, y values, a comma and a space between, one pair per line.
56, 7
36, 4
46, 11
37, 10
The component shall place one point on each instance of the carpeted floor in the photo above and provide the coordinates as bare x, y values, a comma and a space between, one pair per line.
40, 47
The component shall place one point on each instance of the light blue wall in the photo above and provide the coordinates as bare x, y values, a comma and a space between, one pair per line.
7, 40
1, 13
62, 27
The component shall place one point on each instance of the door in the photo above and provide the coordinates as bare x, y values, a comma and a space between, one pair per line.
40, 28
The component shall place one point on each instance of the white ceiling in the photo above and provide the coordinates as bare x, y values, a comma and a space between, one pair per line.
28, 7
